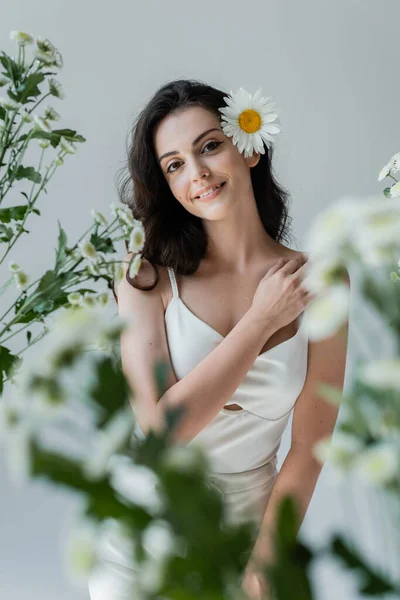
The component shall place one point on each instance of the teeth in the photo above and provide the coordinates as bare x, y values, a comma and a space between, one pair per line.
210, 191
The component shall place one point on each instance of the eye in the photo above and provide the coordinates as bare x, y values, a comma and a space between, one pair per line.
177, 162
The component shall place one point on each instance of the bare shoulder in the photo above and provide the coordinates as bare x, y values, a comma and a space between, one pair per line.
145, 281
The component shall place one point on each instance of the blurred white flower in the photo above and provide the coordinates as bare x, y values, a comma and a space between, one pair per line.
102, 298
88, 300
44, 144
51, 114
137, 483
392, 167
9, 104
118, 272
58, 161
87, 250
328, 312
383, 374
26, 116
42, 124
376, 230
135, 266
99, 217
14, 267
21, 38
340, 449
186, 459
332, 230
125, 215
21, 279
74, 298
45, 45
395, 190
323, 272
81, 552
56, 89
378, 464
93, 268
136, 239
108, 441
159, 540
67, 146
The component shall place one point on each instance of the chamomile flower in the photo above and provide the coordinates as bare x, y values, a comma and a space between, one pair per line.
56, 89
66, 146
136, 239
87, 250
393, 166
99, 217
21, 38
21, 279
249, 120
42, 124
9, 104
135, 266
74, 298
51, 114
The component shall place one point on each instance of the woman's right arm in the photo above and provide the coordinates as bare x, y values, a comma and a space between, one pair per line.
209, 385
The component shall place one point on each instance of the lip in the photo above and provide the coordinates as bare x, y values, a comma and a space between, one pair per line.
206, 189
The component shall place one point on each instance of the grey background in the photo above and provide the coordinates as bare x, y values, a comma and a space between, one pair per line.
331, 68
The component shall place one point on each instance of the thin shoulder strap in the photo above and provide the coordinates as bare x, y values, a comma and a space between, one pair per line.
173, 282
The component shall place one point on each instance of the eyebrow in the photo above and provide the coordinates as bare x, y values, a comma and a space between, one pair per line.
195, 141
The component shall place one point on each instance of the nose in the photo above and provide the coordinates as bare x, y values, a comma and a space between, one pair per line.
199, 170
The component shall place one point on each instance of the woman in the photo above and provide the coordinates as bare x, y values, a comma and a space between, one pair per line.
219, 298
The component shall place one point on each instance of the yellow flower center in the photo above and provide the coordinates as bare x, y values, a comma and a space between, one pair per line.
250, 120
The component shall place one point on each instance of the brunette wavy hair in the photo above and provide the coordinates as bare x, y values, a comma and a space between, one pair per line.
174, 237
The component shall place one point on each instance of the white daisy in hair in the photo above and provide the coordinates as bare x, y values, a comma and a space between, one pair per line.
249, 120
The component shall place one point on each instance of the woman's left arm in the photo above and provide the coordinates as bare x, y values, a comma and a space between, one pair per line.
313, 418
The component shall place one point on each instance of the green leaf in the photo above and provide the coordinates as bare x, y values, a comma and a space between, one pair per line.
110, 390
6, 233
15, 213
29, 87
12, 70
7, 362
61, 254
102, 244
54, 137
28, 173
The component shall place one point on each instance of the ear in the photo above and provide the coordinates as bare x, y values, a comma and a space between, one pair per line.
252, 161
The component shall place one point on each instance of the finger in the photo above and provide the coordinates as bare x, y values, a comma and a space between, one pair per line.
294, 264
276, 266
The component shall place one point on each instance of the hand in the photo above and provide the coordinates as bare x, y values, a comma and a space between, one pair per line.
255, 586
280, 297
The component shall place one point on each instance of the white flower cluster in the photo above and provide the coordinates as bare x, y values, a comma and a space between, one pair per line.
366, 229
134, 230
45, 52
88, 299
375, 464
53, 385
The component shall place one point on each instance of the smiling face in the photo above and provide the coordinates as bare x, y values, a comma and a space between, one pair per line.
194, 154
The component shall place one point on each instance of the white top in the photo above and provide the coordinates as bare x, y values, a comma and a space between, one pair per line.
240, 440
